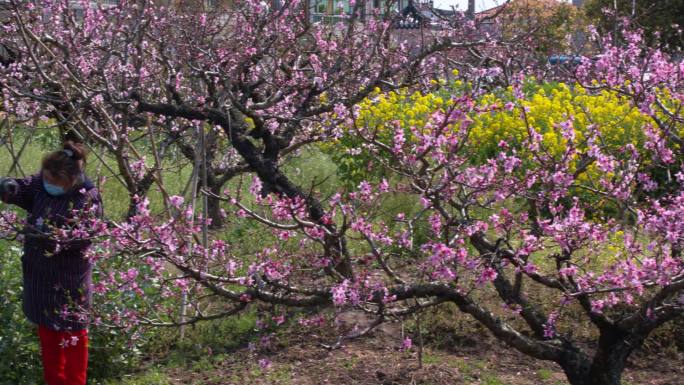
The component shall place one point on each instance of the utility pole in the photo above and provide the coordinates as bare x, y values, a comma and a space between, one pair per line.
579, 39
471, 9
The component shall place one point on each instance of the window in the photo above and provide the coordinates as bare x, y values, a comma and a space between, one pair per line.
320, 6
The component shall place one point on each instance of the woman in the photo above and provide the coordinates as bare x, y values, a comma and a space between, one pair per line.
57, 280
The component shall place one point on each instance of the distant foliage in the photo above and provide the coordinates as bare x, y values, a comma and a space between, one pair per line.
548, 25
661, 20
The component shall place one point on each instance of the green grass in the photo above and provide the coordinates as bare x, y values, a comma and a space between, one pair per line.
280, 375
148, 378
350, 363
491, 380
431, 359
544, 374
219, 337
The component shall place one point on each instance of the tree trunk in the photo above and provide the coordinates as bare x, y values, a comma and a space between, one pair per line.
214, 207
609, 360
596, 375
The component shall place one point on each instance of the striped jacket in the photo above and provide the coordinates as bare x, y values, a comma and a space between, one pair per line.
55, 283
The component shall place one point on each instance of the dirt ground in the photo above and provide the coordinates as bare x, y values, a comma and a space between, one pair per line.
299, 358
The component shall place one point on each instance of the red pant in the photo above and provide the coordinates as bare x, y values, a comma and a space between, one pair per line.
65, 356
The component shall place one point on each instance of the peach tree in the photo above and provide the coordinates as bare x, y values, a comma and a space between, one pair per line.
502, 231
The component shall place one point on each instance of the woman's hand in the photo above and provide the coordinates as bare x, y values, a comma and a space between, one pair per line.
8, 187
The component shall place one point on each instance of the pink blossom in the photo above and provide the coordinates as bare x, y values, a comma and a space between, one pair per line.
406, 344
487, 275
176, 201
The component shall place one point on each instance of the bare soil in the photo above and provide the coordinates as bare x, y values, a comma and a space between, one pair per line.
299, 358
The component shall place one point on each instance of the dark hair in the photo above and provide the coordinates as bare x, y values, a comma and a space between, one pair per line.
67, 163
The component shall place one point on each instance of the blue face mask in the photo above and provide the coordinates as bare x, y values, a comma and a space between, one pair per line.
52, 189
